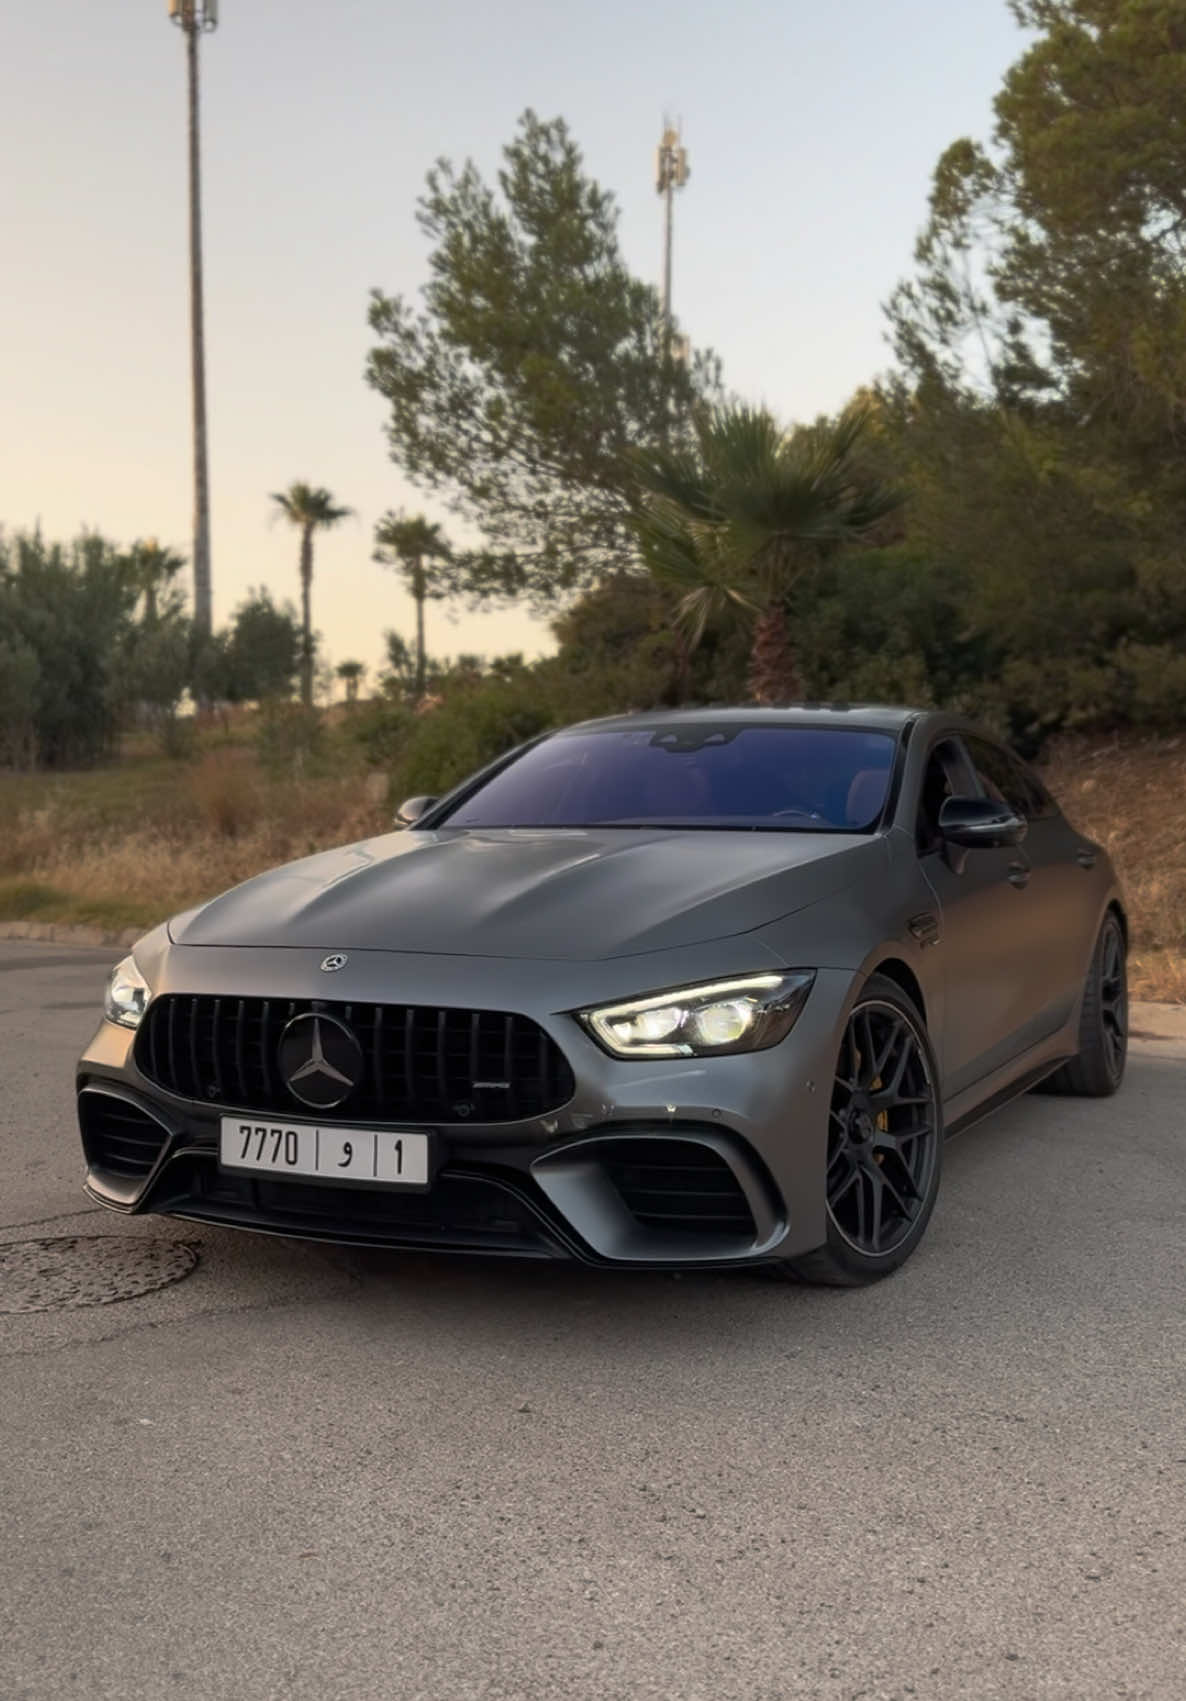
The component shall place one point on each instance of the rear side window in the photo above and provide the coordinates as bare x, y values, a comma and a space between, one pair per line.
1005, 777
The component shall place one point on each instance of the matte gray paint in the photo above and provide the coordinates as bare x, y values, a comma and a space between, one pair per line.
570, 894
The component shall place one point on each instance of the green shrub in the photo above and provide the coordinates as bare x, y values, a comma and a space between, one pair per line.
178, 739
290, 738
379, 731
471, 728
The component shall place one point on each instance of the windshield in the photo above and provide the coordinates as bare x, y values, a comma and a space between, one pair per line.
778, 778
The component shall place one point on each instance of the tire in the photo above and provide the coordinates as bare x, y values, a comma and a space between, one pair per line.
1097, 1069
883, 1155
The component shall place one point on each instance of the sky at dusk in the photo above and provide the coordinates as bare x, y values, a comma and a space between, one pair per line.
811, 129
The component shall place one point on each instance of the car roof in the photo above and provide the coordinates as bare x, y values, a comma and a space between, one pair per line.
867, 717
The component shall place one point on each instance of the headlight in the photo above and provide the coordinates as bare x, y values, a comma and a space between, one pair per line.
747, 1014
127, 995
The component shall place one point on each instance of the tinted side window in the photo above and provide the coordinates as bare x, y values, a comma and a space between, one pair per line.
1044, 804
1005, 777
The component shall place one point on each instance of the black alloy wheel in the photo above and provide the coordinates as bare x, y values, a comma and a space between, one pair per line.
1097, 1069
885, 1142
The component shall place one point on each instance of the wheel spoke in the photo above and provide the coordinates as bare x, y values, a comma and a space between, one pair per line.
896, 1032
862, 1229
896, 1142
876, 1200
867, 1074
906, 1207
852, 1176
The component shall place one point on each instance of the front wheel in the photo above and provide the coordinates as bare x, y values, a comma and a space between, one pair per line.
885, 1143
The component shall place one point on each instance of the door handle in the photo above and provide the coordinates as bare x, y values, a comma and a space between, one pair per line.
1019, 874
1085, 858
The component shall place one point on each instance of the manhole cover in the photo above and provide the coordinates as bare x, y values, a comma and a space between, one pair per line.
72, 1271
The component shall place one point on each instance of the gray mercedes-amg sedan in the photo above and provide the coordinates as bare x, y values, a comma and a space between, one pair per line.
687, 988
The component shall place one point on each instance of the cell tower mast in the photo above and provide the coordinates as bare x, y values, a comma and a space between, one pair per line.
671, 173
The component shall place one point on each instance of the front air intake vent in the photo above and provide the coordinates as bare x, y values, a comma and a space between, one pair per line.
677, 1184
117, 1136
419, 1064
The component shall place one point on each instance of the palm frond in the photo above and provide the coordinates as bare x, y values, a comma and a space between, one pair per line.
310, 505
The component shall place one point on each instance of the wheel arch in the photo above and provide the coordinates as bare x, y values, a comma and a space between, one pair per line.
904, 977
1116, 908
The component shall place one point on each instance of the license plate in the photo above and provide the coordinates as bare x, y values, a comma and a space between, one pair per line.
384, 1157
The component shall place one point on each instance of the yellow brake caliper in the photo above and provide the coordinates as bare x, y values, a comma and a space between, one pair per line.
880, 1121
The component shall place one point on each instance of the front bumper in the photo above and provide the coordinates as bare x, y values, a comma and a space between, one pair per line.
675, 1164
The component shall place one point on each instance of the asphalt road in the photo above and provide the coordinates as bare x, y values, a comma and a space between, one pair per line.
323, 1476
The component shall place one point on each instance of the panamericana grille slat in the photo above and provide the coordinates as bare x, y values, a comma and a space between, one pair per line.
422, 1064
377, 1052
240, 1050
265, 1066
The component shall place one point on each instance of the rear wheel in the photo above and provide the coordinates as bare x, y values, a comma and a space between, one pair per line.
1098, 1068
885, 1143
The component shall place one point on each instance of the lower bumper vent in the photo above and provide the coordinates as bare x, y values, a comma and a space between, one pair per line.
677, 1184
467, 1212
118, 1137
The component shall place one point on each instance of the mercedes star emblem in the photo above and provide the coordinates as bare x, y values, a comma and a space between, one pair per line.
336, 960
320, 1060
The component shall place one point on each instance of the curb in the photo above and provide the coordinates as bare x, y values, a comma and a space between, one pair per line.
1148, 1021
1157, 1021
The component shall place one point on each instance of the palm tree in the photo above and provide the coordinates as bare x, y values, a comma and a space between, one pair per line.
153, 570
312, 509
412, 543
351, 672
734, 518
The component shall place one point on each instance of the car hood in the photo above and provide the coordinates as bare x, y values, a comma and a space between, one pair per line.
533, 893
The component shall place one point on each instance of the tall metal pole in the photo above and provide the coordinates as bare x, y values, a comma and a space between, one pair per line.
671, 173
668, 228
195, 17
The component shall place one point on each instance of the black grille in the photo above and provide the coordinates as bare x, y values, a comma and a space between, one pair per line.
677, 1184
118, 1137
421, 1064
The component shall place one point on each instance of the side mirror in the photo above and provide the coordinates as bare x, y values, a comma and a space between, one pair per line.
980, 823
412, 809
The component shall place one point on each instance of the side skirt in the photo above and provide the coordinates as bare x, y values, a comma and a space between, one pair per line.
1014, 1090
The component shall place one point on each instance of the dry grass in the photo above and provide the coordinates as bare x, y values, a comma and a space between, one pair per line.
124, 846
129, 845
1131, 796
223, 788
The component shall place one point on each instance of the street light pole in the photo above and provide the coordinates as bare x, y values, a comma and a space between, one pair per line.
195, 18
